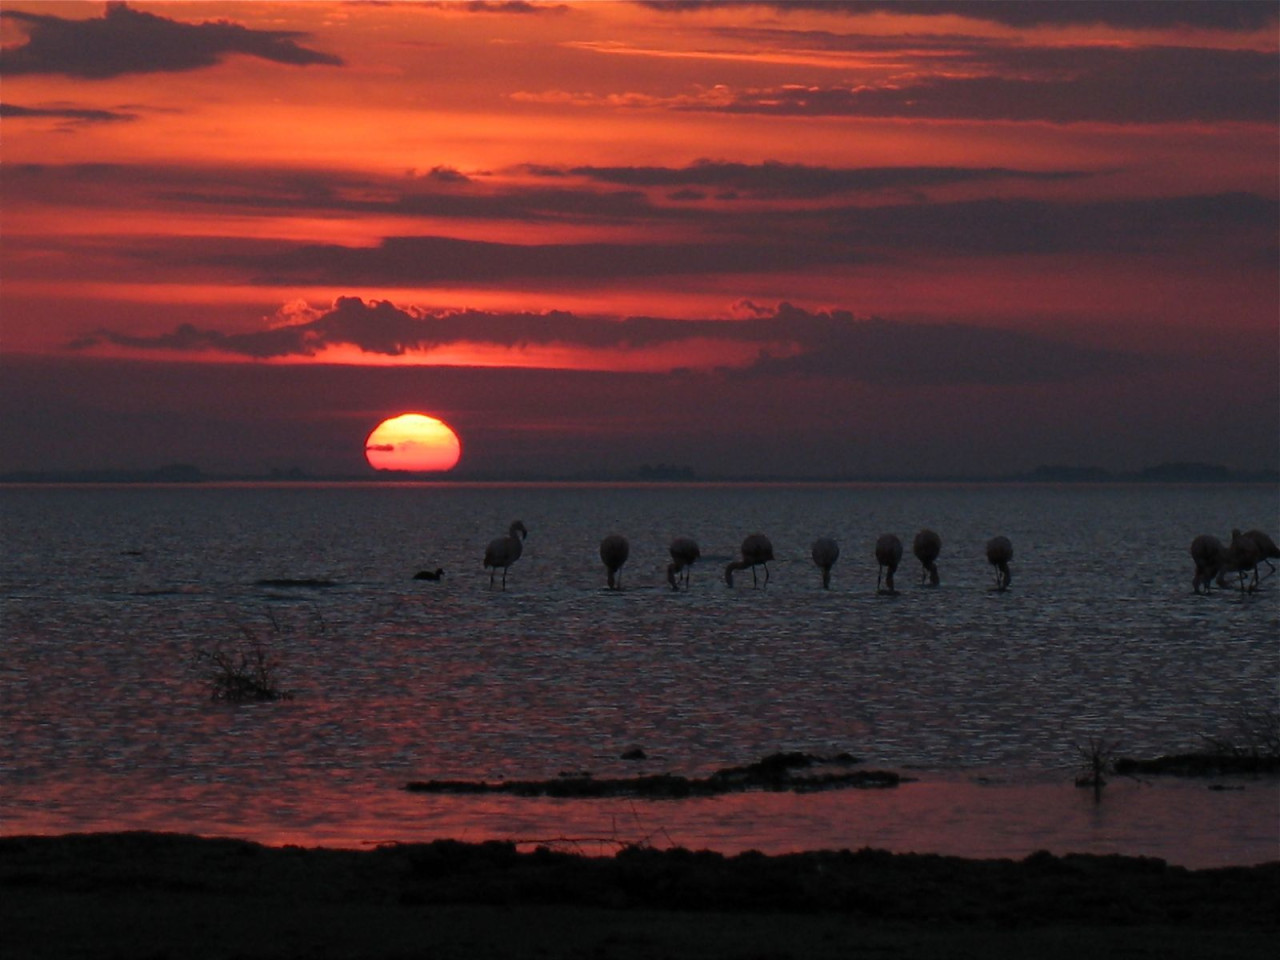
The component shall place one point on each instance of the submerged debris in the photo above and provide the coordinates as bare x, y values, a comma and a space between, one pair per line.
774, 772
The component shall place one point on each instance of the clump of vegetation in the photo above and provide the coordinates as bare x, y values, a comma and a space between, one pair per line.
1253, 747
247, 674
1097, 760
1257, 736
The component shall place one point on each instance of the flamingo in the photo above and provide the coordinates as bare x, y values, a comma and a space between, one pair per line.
757, 550
1208, 554
999, 553
614, 551
504, 551
825, 553
1242, 555
926, 546
1266, 547
684, 553
888, 555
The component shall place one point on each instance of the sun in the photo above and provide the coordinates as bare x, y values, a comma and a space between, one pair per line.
413, 442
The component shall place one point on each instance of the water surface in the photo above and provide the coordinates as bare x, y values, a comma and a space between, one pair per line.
110, 593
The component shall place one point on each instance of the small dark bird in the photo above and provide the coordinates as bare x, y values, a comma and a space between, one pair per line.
825, 553
757, 550
614, 551
435, 574
888, 555
684, 554
999, 553
1208, 554
504, 551
926, 546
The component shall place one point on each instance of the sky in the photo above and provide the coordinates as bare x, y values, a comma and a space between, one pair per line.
909, 239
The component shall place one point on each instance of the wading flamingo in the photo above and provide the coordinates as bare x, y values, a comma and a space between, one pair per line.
999, 553
614, 551
504, 551
926, 546
757, 550
825, 552
684, 554
1266, 547
1208, 554
888, 555
1242, 558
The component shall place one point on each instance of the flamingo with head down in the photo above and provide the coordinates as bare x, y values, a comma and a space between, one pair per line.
888, 555
757, 551
825, 553
926, 546
614, 550
684, 554
999, 553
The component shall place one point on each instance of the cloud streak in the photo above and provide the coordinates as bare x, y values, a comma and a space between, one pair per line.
778, 242
773, 179
72, 115
787, 340
1225, 15
127, 41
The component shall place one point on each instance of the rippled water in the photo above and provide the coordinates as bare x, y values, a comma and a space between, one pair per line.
110, 592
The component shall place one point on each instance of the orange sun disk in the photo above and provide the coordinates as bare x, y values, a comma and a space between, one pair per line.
413, 442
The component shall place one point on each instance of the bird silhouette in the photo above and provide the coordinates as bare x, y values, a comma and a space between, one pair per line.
825, 552
1266, 548
888, 555
614, 551
999, 553
1242, 557
1208, 554
504, 551
435, 574
684, 554
926, 546
757, 550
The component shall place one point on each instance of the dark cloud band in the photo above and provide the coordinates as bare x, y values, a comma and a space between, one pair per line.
125, 41
790, 341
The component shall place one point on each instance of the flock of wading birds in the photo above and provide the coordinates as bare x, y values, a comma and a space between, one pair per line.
757, 551
1213, 559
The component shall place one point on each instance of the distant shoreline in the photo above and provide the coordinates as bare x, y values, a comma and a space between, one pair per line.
177, 474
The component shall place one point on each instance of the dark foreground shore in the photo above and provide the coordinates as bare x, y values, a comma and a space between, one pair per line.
163, 895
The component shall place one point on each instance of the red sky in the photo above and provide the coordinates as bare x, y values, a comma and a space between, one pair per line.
791, 239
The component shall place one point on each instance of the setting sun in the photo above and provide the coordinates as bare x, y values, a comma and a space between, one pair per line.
412, 442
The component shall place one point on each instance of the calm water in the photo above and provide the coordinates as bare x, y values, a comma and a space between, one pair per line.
108, 594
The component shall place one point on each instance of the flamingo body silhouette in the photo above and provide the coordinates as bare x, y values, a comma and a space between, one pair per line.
999, 553
888, 556
684, 554
504, 551
1209, 555
1241, 557
825, 553
1267, 548
614, 550
926, 546
757, 551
